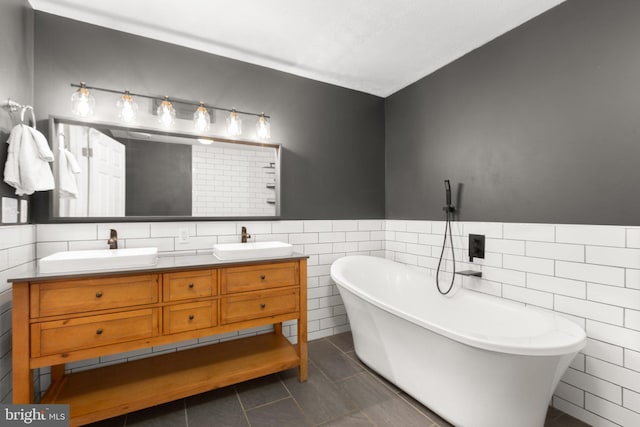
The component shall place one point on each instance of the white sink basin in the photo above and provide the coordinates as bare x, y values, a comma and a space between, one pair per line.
100, 259
231, 251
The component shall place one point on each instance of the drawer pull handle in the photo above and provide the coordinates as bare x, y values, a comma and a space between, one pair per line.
99, 331
191, 317
263, 305
262, 277
190, 285
98, 294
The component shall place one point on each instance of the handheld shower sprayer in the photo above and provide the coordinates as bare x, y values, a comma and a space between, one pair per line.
449, 209
447, 188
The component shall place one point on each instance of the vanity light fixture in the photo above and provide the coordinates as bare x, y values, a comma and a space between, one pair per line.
234, 123
127, 107
201, 118
263, 128
205, 141
82, 102
166, 113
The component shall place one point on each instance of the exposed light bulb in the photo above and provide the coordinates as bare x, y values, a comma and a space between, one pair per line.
234, 124
201, 119
127, 107
263, 128
82, 102
166, 113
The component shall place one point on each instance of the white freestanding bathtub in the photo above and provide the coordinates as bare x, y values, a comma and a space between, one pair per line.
476, 360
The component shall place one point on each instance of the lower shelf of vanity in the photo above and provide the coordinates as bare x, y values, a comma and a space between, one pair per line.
118, 389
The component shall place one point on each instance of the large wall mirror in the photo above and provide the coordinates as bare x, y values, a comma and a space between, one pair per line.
104, 170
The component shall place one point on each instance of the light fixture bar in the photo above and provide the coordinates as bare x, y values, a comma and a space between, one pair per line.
173, 100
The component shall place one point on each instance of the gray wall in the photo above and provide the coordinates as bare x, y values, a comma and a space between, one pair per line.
540, 125
16, 71
158, 178
333, 138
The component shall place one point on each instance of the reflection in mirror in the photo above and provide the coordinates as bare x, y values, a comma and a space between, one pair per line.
111, 171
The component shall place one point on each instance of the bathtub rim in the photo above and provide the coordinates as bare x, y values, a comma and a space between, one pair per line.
573, 335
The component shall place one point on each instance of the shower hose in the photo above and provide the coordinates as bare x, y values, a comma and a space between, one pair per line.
447, 226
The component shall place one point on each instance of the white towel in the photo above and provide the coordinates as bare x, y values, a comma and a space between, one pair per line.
68, 168
27, 168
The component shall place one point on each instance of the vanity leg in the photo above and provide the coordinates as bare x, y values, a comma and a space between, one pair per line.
277, 328
303, 369
21, 372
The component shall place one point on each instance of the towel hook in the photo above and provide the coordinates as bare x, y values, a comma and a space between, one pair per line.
11, 105
33, 116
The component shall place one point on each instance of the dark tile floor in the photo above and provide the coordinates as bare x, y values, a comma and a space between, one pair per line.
341, 391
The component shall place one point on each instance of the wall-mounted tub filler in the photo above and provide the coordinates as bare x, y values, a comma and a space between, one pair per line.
476, 360
476, 250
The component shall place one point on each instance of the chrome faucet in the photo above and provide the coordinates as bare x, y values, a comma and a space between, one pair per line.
113, 239
245, 235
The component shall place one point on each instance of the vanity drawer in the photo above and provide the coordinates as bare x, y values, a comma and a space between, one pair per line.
256, 305
190, 316
83, 295
62, 336
189, 285
258, 277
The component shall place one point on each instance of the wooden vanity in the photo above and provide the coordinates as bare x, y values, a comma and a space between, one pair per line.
62, 319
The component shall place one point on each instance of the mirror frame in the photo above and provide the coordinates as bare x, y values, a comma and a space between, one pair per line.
49, 199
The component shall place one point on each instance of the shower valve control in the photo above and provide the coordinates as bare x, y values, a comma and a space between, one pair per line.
476, 246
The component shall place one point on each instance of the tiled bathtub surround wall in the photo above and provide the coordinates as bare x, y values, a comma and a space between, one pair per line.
17, 253
233, 181
323, 241
590, 274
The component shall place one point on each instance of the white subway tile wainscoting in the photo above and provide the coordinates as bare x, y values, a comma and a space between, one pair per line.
590, 274
17, 254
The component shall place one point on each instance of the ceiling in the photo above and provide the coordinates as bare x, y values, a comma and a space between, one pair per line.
373, 46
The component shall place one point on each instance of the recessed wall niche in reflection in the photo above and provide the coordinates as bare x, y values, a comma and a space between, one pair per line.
236, 181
